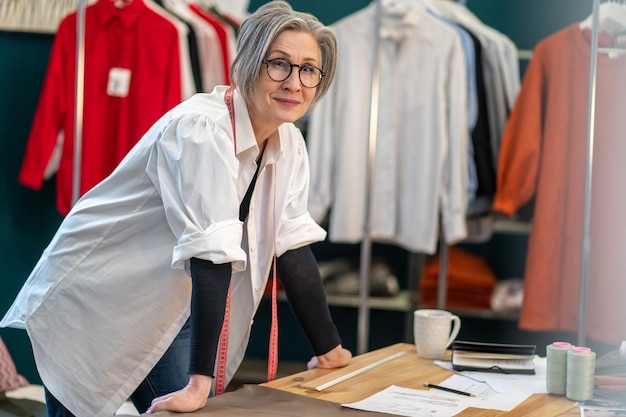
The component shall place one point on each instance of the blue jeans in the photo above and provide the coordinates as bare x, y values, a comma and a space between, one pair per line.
168, 375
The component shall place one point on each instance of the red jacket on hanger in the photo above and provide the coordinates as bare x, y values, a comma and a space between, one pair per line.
132, 76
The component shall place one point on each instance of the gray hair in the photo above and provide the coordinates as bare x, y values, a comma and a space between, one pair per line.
261, 28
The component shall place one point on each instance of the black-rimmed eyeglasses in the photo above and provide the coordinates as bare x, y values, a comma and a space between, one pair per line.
279, 69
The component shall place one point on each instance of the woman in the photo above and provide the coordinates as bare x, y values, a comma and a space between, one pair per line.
129, 297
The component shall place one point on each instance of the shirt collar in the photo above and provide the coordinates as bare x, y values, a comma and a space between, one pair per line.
128, 15
398, 28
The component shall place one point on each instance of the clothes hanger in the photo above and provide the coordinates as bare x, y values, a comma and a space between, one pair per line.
456, 11
429, 5
611, 22
395, 8
120, 4
612, 18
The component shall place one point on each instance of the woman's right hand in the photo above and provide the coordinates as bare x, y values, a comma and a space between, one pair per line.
335, 358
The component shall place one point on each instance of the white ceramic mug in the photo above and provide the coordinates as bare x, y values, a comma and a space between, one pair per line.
433, 331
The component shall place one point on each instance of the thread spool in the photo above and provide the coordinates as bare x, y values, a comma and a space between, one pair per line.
581, 363
556, 367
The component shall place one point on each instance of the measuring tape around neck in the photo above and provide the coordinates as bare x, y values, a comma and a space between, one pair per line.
222, 354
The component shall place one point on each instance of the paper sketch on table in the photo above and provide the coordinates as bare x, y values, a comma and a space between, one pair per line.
485, 395
508, 383
493, 391
413, 403
418, 403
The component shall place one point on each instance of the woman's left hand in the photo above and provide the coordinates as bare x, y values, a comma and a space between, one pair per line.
187, 400
335, 358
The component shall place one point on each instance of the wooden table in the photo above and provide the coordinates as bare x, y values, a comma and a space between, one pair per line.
408, 371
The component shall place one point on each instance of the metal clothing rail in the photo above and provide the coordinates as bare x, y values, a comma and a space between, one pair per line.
79, 100
586, 243
366, 244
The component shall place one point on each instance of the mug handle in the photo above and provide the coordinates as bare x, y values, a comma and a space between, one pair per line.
456, 327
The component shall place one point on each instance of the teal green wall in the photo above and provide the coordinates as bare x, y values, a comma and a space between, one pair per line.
327, 11
528, 21
28, 219
525, 21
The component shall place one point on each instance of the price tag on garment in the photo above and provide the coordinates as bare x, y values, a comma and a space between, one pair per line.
119, 82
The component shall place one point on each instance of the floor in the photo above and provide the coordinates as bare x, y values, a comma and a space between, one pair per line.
250, 372
36, 393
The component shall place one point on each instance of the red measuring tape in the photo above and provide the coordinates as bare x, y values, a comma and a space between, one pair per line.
272, 360
220, 375
222, 354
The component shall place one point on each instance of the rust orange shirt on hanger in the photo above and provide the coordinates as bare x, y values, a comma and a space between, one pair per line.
543, 155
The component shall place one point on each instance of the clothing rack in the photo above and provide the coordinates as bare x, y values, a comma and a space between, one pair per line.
366, 244
44, 16
60, 9
586, 242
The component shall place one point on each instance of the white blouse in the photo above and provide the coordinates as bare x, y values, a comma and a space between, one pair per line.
112, 289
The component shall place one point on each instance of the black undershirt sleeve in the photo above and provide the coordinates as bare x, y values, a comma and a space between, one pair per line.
299, 274
208, 302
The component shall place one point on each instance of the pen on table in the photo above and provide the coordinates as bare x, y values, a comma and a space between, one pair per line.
468, 394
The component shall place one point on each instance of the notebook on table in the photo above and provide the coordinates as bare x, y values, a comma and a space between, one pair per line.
493, 357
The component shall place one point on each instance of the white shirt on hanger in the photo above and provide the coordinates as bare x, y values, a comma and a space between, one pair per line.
421, 152
209, 48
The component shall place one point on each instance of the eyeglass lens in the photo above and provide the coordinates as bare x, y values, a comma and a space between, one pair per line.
280, 70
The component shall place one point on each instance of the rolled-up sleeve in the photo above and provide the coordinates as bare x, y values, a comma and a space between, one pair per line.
193, 167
